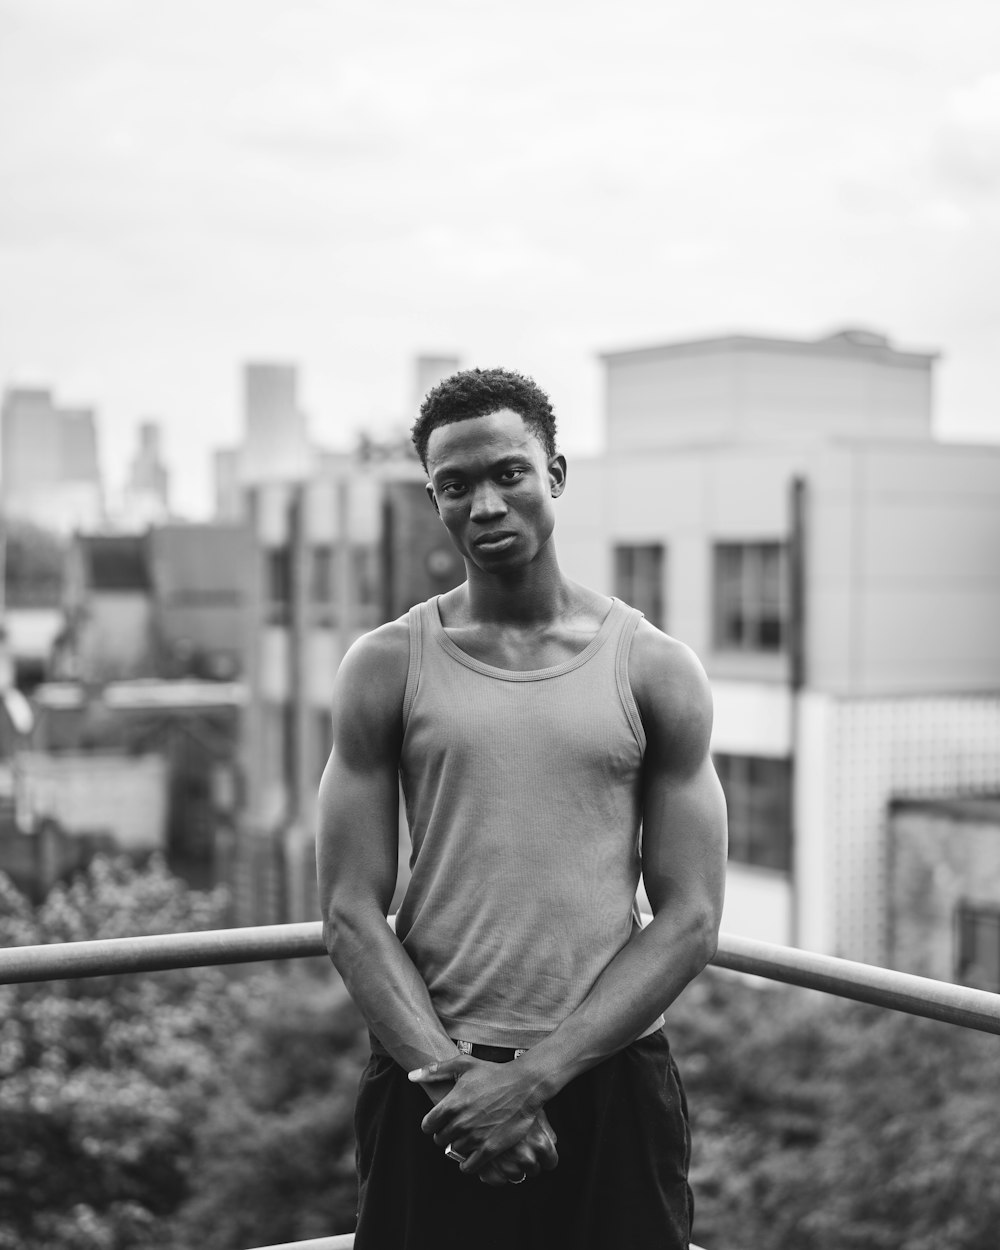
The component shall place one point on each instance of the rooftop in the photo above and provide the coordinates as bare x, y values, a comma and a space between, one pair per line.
850, 341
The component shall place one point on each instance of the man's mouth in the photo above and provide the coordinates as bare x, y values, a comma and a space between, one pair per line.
499, 540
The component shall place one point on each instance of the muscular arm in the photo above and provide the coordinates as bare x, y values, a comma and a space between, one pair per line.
683, 859
356, 853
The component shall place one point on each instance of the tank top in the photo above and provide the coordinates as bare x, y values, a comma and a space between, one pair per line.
523, 796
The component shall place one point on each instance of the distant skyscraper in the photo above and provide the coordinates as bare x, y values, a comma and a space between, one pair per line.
77, 446
276, 446
50, 467
146, 490
430, 370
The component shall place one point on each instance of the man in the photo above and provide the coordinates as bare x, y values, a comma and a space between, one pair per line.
521, 1092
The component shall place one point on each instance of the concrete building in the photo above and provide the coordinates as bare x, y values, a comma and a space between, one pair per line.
783, 507
50, 467
146, 499
108, 609
188, 726
275, 446
429, 370
335, 556
167, 603
944, 888
198, 574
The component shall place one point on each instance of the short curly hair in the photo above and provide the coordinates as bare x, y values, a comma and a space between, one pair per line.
478, 392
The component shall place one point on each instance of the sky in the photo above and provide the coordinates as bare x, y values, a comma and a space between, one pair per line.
188, 186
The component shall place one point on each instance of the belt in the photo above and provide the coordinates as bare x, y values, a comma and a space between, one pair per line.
492, 1054
478, 1050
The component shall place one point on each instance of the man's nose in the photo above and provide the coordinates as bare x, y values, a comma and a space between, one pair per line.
487, 501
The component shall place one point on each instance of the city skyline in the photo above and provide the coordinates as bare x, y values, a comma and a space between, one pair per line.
345, 187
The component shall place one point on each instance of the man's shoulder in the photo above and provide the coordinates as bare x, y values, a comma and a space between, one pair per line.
376, 664
669, 683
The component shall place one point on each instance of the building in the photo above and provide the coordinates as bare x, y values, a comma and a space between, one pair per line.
109, 631
167, 603
165, 755
198, 574
429, 370
334, 557
944, 888
146, 499
275, 446
51, 474
783, 507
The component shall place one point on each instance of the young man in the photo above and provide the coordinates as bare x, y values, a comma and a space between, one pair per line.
550, 743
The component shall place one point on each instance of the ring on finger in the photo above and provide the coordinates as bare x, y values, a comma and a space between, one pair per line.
454, 1155
521, 1179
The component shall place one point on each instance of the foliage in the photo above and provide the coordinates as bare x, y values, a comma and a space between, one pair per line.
170, 1110
102, 1079
34, 566
825, 1125
165, 1110
275, 1158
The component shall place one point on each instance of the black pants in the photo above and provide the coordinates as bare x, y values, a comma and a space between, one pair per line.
623, 1144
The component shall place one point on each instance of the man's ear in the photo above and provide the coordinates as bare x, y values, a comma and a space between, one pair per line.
557, 475
432, 497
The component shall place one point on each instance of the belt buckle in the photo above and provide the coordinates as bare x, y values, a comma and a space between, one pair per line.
465, 1048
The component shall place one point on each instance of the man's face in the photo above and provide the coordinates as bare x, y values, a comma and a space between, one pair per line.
493, 487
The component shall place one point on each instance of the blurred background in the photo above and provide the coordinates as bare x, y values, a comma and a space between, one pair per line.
753, 254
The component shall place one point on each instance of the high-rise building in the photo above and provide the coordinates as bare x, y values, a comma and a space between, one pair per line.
429, 371
50, 468
784, 508
275, 446
146, 500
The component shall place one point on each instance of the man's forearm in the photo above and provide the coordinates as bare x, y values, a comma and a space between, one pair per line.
387, 988
641, 981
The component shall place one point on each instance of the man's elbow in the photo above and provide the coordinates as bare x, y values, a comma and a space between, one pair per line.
348, 920
340, 926
704, 936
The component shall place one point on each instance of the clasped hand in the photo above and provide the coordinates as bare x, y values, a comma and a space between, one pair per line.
487, 1116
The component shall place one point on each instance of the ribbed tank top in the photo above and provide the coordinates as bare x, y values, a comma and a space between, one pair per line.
523, 796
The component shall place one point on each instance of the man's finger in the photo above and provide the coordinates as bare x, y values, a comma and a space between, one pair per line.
454, 1066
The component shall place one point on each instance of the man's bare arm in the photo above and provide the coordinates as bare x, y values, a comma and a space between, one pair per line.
356, 851
684, 855
357, 848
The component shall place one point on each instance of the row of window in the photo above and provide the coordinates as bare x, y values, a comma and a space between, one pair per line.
321, 574
759, 798
750, 591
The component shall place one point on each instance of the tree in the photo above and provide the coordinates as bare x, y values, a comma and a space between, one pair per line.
102, 1080
164, 1110
275, 1158
821, 1124
34, 565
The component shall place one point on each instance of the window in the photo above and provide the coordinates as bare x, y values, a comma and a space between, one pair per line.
639, 580
321, 580
751, 596
759, 798
364, 562
978, 962
278, 584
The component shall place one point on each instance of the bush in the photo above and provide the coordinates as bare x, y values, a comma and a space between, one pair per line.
821, 1124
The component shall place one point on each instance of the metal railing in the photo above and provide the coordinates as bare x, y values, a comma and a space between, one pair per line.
898, 991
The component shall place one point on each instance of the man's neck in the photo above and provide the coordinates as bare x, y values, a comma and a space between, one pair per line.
535, 595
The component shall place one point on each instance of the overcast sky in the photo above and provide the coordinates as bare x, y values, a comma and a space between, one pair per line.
188, 185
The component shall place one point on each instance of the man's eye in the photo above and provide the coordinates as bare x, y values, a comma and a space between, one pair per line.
452, 488
511, 475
